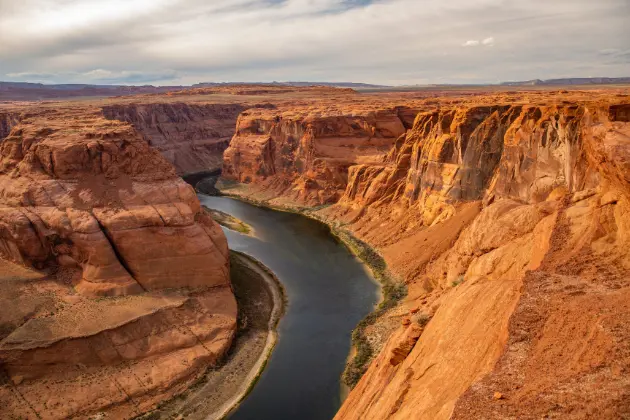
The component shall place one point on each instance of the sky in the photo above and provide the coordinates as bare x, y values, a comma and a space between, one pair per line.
393, 42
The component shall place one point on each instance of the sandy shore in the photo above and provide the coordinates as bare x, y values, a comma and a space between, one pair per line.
278, 305
261, 304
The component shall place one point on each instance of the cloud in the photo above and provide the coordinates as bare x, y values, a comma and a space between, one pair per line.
487, 42
32, 76
130, 77
98, 76
615, 55
379, 41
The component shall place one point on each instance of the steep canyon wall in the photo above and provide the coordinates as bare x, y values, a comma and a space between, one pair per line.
308, 157
8, 119
128, 298
507, 220
192, 137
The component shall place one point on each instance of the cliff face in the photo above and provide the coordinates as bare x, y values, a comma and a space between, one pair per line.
551, 238
509, 224
7, 121
192, 137
307, 157
131, 300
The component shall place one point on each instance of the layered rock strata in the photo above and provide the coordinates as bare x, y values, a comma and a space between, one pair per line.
507, 220
132, 299
8, 119
307, 157
192, 137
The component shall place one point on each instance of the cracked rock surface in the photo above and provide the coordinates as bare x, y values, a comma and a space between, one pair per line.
128, 297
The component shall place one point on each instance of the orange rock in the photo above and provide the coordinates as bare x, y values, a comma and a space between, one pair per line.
170, 128
523, 193
305, 155
503, 189
404, 346
89, 199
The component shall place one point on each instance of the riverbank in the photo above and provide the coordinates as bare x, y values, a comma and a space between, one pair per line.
372, 332
261, 303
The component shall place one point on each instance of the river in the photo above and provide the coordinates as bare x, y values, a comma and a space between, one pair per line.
328, 290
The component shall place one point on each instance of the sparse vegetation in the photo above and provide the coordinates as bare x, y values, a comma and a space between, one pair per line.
392, 291
423, 319
458, 281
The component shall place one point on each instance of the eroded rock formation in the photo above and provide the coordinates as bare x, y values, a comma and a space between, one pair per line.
507, 218
307, 157
7, 120
192, 137
131, 299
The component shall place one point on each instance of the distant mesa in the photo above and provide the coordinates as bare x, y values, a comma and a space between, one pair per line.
24, 91
298, 84
572, 81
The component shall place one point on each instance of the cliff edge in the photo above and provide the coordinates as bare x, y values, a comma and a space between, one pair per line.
116, 281
506, 216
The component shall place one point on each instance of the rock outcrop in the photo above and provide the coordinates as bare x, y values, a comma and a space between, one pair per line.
553, 185
192, 137
506, 215
305, 156
8, 119
507, 218
129, 298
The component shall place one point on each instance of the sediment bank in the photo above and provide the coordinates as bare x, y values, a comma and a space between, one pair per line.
261, 303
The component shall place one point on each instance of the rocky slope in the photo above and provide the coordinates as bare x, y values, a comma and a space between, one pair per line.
507, 218
127, 297
190, 136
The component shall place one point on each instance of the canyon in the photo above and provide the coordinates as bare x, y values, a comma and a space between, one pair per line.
502, 212
128, 298
191, 137
506, 218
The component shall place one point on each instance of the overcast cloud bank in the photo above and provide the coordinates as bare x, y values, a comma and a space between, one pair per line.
385, 42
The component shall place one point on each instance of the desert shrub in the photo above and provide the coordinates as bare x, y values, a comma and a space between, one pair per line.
393, 292
458, 281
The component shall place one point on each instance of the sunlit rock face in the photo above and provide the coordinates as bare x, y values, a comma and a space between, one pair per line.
132, 299
506, 217
308, 156
518, 289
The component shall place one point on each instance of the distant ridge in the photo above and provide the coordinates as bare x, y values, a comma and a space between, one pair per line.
25, 91
572, 81
38, 91
351, 85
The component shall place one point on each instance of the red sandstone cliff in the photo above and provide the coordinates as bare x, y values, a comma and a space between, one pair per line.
507, 218
505, 215
190, 136
131, 299
307, 156
7, 120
